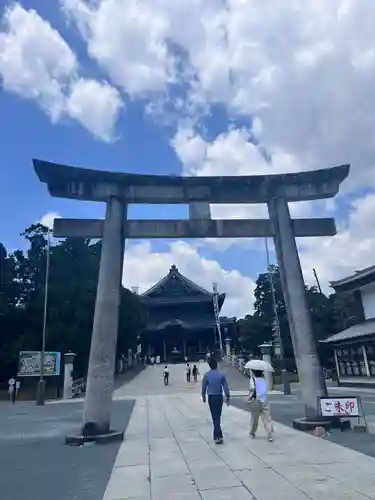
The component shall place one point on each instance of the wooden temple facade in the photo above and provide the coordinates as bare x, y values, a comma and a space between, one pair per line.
181, 320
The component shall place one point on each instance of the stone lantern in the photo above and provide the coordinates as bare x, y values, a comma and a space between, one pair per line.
68, 374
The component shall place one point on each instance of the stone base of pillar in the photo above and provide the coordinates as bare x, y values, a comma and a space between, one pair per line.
110, 437
304, 424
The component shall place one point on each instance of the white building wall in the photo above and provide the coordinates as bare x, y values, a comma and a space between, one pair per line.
368, 300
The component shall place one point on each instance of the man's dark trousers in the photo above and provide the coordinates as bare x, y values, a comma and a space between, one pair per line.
216, 407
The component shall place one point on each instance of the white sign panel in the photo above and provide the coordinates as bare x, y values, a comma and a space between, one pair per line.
339, 407
29, 364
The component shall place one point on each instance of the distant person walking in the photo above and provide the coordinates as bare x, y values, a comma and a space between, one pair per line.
166, 375
195, 373
188, 372
258, 400
214, 383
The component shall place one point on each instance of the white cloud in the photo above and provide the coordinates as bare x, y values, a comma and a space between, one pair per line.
96, 106
333, 257
144, 268
303, 69
235, 153
37, 63
351, 249
231, 153
128, 41
48, 218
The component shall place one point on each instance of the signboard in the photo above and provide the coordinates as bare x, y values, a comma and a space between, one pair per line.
339, 407
29, 364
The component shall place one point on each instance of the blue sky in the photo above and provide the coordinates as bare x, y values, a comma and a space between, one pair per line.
132, 87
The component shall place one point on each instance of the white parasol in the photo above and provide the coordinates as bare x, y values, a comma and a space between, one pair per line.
259, 364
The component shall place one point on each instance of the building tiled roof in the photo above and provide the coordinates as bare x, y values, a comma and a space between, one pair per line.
175, 274
363, 329
359, 275
194, 323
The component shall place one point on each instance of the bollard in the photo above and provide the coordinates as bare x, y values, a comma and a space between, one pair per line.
286, 382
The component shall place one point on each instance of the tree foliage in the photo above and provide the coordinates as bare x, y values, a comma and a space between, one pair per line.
329, 315
73, 273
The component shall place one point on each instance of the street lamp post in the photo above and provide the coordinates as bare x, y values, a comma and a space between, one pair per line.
41, 390
276, 323
217, 316
266, 351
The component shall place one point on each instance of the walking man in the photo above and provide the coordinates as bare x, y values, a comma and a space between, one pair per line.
214, 384
258, 400
166, 375
188, 372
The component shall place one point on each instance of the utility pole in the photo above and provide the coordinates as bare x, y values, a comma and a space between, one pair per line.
276, 322
41, 390
217, 315
317, 280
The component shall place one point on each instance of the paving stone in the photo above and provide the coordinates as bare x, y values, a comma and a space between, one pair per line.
218, 476
358, 475
176, 437
265, 483
171, 487
316, 484
238, 493
168, 467
128, 482
133, 453
238, 458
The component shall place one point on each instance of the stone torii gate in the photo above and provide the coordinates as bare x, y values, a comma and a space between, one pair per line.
118, 190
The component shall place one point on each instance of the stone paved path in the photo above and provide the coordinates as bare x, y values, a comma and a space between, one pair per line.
168, 455
150, 382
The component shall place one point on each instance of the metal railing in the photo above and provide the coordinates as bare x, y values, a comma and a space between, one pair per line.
78, 387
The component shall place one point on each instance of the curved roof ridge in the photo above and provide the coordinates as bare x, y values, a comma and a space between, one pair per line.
173, 271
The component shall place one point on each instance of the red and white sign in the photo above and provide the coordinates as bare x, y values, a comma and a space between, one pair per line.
339, 407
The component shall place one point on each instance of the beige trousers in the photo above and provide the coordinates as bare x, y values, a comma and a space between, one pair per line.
258, 409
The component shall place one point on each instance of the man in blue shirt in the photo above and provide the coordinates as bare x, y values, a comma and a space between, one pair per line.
214, 384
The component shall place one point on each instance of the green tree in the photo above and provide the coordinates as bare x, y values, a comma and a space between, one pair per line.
131, 322
264, 307
11, 315
253, 331
74, 265
320, 308
344, 311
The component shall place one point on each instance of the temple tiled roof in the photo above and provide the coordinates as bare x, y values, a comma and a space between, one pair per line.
191, 324
360, 278
174, 284
364, 329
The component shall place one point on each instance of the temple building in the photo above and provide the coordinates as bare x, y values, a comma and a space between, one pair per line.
181, 320
354, 348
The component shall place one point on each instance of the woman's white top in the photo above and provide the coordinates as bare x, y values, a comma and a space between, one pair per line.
261, 388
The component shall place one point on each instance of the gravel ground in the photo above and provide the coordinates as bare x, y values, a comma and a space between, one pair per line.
35, 464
